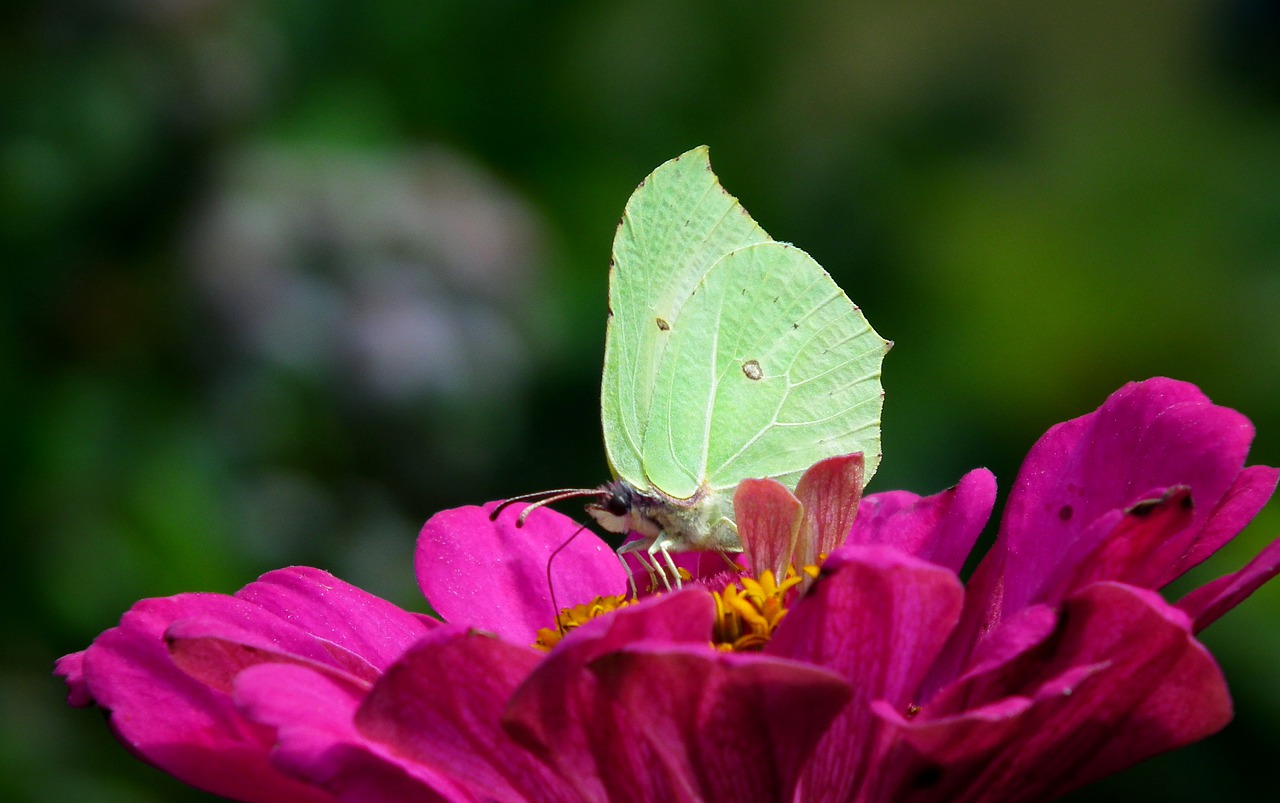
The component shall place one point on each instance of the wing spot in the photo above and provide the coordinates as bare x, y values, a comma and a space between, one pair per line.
663, 325
752, 369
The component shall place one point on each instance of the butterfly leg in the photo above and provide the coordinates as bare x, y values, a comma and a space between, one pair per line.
669, 571
638, 548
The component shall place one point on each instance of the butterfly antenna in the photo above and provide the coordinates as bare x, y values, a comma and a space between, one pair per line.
551, 586
544, 498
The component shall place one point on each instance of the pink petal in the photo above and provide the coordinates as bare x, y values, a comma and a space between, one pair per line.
1247, 496
877, 618
769, 519
185, 722
545, 714
1123, 680
1209, 602
1147, 437
1138, 550
627, 720
71, 669
829, 491
214, 652
319, 743
689, 723
998, 663
440, 707
492, 575
297, 615
941, 528
338, 613
175, 722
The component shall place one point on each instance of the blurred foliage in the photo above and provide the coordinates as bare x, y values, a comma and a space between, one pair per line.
284, 278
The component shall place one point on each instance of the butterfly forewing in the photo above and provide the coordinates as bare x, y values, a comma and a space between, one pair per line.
678, 223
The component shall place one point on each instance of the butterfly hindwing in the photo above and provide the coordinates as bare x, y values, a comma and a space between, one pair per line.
769, 368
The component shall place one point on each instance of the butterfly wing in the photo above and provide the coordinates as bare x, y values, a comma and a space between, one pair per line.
768, 368
676, 226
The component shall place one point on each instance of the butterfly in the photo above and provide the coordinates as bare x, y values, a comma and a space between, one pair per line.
728, 355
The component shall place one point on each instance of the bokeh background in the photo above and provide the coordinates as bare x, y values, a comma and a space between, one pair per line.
283, 278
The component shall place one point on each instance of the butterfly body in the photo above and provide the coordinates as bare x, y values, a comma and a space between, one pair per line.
665, 524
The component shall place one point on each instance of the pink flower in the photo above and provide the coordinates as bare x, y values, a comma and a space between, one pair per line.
886, 679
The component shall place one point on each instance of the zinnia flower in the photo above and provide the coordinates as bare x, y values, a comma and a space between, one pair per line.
884, 679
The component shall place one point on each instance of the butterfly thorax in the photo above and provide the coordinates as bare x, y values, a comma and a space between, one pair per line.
704, 521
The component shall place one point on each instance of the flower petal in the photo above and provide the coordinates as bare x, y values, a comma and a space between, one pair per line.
338, 613
170, 719
493, 575
688, 723
440, 707
1250, 492
546, 714
878, 618
630, 719
215, 651
1147, 437
829, 491
1209, 602
769, 519
941, 528
1122, 681
318, 741
1138, 549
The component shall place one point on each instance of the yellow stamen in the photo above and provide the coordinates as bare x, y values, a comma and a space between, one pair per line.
746, 617
747, 612
578, 615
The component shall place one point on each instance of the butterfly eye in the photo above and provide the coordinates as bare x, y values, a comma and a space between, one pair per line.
618, 503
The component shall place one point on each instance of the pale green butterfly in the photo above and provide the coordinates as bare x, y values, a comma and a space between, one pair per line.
728, 355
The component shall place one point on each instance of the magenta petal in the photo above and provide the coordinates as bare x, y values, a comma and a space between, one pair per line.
338, 613
319, 743
1247, 496
1147, 437
999, 663
877, 618
769, 519
543, 714
680, 723
941, 528
1124, 680
829, 492
492, 575
215, 652
1209, 602
71, 669
689, 723
175, 722
184, 721
1138, 550
440, 707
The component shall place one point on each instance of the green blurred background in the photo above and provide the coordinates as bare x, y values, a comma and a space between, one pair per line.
281, 279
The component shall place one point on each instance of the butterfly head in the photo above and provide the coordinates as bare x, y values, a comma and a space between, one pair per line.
622, 508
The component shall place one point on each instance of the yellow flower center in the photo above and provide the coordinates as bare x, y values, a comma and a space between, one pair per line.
746, 616
578, 615
747, 611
